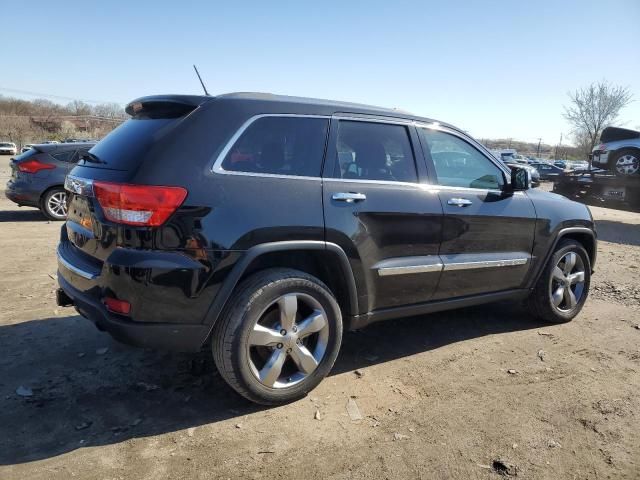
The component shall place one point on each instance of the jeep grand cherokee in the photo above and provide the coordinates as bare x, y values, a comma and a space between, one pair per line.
262, 226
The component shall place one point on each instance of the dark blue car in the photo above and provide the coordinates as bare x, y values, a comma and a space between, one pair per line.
548, 171
37, 177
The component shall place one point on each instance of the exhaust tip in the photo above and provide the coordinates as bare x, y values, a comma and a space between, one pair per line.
62, 299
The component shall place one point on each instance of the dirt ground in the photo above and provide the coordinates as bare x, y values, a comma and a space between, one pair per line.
435, 392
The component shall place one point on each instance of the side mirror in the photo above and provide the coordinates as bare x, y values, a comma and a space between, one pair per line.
520, 179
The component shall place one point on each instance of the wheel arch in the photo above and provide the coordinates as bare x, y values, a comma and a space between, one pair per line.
625, 147
586, 238
48, 189
43, 196
317, 258
584, 235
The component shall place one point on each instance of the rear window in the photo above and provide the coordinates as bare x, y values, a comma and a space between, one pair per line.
280, 146
125, 146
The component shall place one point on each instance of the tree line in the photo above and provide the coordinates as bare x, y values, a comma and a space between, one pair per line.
39, 120
590, 110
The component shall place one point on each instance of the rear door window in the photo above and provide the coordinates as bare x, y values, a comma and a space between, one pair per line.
280, 146
66, 156
374, 151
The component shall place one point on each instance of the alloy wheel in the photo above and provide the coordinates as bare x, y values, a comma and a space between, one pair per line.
288, 341
57, 204
567, 282
627, 164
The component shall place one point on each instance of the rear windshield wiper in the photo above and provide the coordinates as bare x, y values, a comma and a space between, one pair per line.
91, 158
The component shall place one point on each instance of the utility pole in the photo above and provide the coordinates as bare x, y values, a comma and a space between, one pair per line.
538, 151
555, 155
509, 143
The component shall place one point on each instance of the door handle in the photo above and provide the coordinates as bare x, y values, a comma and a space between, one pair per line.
349, 197
459, 202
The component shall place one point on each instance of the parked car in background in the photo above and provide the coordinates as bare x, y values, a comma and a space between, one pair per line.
521, 159
37, 177
26, 147
547, 171
372, 214
505, 154
618, 152
79, 140
579, 165
534, 175
8, 148
561, 163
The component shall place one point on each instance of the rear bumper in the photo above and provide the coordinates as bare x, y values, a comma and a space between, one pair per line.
161, 316
177, 337
17, 193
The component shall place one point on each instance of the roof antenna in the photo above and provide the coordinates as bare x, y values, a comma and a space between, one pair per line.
201, 82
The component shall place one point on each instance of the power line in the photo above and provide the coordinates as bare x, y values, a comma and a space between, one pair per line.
53, 116
59, 97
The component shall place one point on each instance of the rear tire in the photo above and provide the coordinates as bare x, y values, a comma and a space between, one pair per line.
563, 286
625, 163
279, 336
54, 204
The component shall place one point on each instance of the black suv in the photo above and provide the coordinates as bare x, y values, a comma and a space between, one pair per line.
265, 225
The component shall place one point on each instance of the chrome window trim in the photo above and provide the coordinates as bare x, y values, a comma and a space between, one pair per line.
376, 182
388, 120
440, 188
423, 186
485, 264
217, 164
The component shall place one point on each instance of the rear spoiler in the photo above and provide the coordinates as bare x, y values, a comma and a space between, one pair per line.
164, 106
614, 134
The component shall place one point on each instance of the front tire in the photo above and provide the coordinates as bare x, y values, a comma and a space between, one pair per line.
563, 286
54, 204
278, 337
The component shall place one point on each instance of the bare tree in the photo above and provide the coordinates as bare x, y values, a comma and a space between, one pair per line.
593, 108
582, 141
78, 107
109, 110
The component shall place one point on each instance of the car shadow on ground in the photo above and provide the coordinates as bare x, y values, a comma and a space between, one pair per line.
618, 232
22, 215
82, 389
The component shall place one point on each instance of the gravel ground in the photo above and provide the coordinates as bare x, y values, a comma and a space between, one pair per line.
476, 393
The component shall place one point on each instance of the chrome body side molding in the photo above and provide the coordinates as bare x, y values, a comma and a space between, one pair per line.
485, 264
439, 263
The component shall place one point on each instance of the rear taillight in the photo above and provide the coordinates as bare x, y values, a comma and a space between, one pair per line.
143, 205
602, 147
34, 166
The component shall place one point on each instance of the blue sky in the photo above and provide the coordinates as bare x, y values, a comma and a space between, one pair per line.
494, 68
